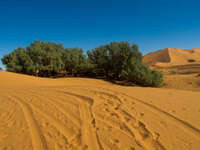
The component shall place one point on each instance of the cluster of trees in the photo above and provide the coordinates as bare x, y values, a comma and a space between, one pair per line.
116, 61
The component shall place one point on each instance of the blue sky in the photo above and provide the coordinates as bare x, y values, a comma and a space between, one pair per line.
152, 24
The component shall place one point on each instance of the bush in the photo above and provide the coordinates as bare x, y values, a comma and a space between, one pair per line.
191, 60
122, 61
116, 61
140, 74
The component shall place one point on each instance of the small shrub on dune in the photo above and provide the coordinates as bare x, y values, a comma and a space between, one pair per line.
142, 75
124, 62
191, 60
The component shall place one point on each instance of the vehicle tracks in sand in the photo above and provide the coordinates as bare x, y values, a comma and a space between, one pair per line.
133, 126
89, 135
165, 115
138, 131
88, 131
88, 126
183, 124
38, 141
70, 134
58, 105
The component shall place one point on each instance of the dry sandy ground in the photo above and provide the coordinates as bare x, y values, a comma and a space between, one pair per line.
89, 114
183, 82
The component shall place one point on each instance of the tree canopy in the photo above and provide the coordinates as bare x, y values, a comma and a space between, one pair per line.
116, 61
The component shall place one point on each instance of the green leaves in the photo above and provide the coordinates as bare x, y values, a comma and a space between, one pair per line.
75, 61
121, 61
140, 74
18, 61
46, 57
116, 61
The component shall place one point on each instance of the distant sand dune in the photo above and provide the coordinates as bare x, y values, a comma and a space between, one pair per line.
89, 114
173, 56
181, 68
158, 56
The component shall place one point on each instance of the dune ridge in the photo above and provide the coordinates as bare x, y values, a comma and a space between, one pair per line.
158, 56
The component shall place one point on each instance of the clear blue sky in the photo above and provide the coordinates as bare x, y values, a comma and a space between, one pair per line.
152, 24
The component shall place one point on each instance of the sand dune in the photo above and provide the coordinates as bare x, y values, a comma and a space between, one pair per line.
172, 56
89, 114
181, 68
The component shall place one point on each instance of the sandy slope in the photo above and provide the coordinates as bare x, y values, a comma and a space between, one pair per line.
160, 56
172, 56
89, 114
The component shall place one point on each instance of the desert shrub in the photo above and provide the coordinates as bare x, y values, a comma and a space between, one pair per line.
1, 68
75, 62
46, 57
121, 61
140, 74
116, 61
191, 60
18, 61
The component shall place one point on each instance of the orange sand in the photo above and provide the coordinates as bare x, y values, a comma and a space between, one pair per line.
89, 114
172, 56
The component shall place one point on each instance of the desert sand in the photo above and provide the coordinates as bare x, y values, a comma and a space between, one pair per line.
90, 114
181, 68
173, 57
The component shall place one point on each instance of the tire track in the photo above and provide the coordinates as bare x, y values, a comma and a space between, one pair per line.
88, 130
181, 123
146, 140
69, 133
72, 118
38, 140
185, 125
89, 135
57, 97
135, 127
142, 134
115, 127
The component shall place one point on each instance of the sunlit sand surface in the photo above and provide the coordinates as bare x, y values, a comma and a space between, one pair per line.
89, 114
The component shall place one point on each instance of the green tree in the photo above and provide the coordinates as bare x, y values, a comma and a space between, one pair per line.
18, 61
139, 73
117, 60
119, 55
113, 58
120, 60
46, 57
99, 58
74, 61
